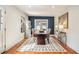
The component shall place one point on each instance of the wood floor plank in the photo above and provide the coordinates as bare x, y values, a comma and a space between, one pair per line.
13, 50
70, 51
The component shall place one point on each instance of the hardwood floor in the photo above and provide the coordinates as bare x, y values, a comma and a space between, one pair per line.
13, 49
70, 51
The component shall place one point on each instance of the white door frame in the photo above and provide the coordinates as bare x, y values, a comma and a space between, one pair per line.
3, 30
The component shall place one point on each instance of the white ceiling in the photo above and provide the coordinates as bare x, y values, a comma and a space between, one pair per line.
42, 10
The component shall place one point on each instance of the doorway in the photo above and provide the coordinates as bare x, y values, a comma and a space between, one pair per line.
2, 30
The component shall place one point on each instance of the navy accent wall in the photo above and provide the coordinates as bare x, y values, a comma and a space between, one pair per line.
50, 21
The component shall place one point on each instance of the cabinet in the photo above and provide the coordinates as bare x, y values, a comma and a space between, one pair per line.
62, 37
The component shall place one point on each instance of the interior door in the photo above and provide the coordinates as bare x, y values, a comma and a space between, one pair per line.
2, 30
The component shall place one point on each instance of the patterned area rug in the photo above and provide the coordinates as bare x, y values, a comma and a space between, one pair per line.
31, 46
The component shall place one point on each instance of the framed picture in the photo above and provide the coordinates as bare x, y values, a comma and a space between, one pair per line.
41, 23
63, 21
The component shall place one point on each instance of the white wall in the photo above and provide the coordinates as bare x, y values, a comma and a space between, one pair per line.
73, 31
61, 11
13, 26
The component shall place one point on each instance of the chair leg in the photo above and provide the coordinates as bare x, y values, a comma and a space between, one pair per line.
48, 39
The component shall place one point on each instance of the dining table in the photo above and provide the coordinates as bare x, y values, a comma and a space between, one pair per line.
41, 38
